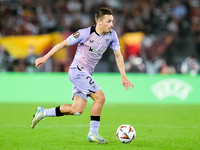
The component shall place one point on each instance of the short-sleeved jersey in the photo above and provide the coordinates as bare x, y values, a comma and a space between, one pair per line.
91, 47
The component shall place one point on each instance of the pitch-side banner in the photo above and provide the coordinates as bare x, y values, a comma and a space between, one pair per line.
56, 88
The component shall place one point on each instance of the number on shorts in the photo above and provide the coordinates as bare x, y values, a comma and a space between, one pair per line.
90, 82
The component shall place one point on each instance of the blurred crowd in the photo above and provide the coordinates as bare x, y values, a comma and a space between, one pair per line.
171, 27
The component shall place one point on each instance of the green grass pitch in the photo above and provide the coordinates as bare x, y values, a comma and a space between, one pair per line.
158, 127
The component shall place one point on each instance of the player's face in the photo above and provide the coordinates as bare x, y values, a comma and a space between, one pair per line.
107, 23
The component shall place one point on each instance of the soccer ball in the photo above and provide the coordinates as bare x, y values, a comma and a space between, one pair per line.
126, 133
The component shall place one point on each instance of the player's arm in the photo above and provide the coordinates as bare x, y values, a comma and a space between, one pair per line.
120, 64
40, 61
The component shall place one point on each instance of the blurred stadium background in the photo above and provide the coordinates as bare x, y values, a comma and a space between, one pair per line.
156, 36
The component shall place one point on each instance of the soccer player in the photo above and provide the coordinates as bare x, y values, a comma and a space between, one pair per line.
92, 43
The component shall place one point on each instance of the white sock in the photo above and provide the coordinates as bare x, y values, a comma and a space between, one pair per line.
50, 112
94, 126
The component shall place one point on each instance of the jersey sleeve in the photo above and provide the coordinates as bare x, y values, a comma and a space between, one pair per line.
76, 37
115, 42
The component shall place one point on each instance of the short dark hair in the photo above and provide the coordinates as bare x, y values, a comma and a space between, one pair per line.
101, 12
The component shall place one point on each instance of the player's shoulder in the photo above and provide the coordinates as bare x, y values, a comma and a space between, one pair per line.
113, 32
80, 35
85, 30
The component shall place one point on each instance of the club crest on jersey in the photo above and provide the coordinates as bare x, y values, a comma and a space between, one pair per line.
76, 34
107, 40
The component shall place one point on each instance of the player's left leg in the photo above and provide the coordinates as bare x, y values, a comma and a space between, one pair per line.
76, 109
40, 114
99, 99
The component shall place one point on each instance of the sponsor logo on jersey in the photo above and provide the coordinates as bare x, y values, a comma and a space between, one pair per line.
171, 88
76, 34
91, 49
96, 51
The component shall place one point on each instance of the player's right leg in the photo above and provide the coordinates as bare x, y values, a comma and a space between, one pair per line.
99, 99
76, 109
95, 137
84, 86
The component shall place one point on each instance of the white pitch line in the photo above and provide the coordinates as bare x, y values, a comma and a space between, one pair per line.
87, 126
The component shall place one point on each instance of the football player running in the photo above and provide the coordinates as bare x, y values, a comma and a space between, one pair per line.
92, 43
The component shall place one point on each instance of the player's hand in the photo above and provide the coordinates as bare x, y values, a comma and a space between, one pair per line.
39, 62
126, 83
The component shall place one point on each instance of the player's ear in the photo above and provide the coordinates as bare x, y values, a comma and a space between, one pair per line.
99, 21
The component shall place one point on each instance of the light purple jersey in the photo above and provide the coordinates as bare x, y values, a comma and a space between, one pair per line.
91, 47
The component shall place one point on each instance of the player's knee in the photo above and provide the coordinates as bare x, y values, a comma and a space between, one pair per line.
99, 97
102, 99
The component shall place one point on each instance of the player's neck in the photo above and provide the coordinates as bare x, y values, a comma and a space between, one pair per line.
99, 31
